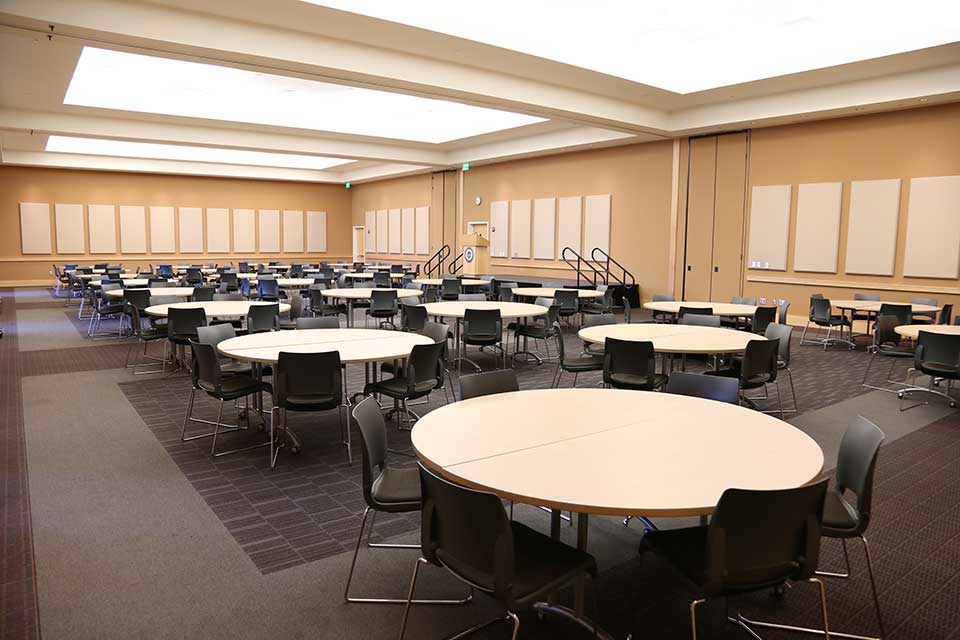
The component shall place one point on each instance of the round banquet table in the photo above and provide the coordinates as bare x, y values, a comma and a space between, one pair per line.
129, 282
576, 449
364, 293
719, 308
214, 309
550, 292
99, 273
873, 306
369, 274
180, 292
354, 345
436, 282
283, 282
508, 311
674, 338
913, 330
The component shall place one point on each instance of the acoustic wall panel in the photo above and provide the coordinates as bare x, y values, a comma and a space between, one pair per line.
872, 227
520, 229
218, 230
269, 227
316, 231
407, 217
162, 237
769, 227
383, 223
102, 225
370, 229
596, 223
933, 228
244, 231
35, 227
818, 227
396, 241
133, 229
569, 223
69, 223
191, 229
544, 228
499, 216
292, 231
423, 230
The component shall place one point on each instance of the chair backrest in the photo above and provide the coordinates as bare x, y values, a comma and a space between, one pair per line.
569, 300
704, 311
414, 317
425, 366
784, 306
760, 538
244, 267
318, 322
373, 443
856, 463
760, 361
488, 383
946, 312
506, 291
820, 309
139, 298
203, 294
743, 300
940, 348
663, 297
884, 330
235, 297
468, 532
700, 320
482, 322
867, 296
449, 287
384, 300
762, 317
262, 317
436, 331
783, 333
598, 319
184, 321
229, 278
308, 374
635, 357
381, 279
206, 366
902, 312
719, 388
268, 288
216, 333
928, 301
471, 297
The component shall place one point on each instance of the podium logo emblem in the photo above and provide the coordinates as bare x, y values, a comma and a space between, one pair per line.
468, 254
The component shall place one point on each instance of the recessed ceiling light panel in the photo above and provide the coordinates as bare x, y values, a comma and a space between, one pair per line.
158, 151
110, 79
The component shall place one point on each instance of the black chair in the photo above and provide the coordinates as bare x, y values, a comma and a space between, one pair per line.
662, 316
481, 328
783, 307
899, 311
700, 320
756, 369
203, 294
182, 326
246, 288
318, 322
738, 322
946, 313
381, 279
821, 316
568, 301
468, 533
439, 333
236, 296
631, 364
702, 386
704, 311
592, 348
387, 489
938, 356
540, 328
865, 316
856, 463
268, 290
103, 306
925, 316
505, 291
208, 378
784, 333
413, 317
604, 304
756, 540
262, 317
307, 382
887, 343
450, 289
384, 306
576, 366
422, 374
142, 336
488, 383
193, 278
321, 306
230, 279
762, 318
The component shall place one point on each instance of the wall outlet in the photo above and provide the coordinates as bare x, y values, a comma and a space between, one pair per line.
763, 301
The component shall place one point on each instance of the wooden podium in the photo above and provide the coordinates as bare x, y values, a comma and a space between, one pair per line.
476, 254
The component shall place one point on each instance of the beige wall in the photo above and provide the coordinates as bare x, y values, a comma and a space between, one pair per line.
638, 178
21, 184
903, 144
399, 193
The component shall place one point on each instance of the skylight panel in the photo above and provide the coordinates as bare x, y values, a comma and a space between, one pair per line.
159, 151
124, 81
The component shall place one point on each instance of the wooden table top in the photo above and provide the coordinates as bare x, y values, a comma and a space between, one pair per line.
213, 309
613, 452
873, 306
719, 308
354, 345
436, 282
457, 309
913, 330
181, 292
365, 293
674, 338
550, 292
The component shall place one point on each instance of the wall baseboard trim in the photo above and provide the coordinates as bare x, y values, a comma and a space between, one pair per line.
846, 284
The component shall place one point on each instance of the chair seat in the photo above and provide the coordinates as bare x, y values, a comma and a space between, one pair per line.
397, 388
637, 382
834, 321
381, 313
895, 351
398, 487
839, 517
483, 340
181, 338
582, 364
237, 386
754, 382
940, 369
593, 308
111, 309
310, 402
534, 331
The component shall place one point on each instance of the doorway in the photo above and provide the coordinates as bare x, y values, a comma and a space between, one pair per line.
715, 211
358, 249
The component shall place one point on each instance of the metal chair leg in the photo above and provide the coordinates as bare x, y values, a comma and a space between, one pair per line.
747, 624
693, 617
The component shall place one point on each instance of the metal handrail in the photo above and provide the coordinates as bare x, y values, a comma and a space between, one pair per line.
429, 268
576, 266
606, 259
456, 265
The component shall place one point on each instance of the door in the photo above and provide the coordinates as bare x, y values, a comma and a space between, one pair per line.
716, 198
358, 244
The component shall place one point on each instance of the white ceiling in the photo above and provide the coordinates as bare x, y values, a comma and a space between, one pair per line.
333, 96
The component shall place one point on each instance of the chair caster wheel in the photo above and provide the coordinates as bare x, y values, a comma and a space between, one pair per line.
260, 427
900, 396
540, 615
779, 591
295, 450
953, 405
